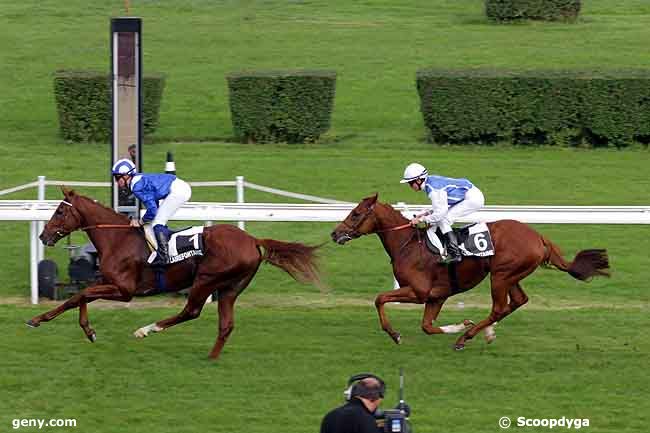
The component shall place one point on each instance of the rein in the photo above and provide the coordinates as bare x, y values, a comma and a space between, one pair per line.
98, 226
108, 226
391, 229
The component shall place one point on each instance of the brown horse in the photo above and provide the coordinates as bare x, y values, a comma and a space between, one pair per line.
231, 260
519, 250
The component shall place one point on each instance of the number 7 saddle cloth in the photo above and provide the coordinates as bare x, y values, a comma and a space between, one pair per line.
183, 244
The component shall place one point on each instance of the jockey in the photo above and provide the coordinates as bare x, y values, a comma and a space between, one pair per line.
450, 200
151, 188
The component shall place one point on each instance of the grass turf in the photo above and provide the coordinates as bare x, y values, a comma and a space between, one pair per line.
284, 367
376, 48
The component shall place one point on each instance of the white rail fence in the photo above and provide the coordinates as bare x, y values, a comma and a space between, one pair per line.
326, 210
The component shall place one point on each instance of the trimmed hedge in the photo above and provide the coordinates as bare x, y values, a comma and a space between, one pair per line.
83, 100
281, 106
542, 107
549, 10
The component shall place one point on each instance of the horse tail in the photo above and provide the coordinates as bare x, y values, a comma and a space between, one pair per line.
296, 259
586, 264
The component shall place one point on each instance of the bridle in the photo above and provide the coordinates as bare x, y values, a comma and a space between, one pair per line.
64, 229
353, 231
79, 219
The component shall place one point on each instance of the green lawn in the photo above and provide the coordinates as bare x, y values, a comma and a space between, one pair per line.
376, 47
284, 367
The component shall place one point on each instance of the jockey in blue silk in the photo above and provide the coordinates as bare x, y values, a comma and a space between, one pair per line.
161, 194
450, 198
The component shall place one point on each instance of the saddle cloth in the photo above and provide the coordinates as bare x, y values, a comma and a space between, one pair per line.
473, 240
183, 244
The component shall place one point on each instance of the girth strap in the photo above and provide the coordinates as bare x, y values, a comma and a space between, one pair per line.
453, 278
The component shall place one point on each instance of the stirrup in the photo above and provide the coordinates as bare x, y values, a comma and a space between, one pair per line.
158, 261
448, 258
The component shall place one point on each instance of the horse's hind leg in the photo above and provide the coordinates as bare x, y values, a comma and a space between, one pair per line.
226, 321
517, 298
201, 289
227, 300
500, 309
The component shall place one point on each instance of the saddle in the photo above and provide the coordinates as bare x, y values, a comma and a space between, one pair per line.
183, 244
473, 240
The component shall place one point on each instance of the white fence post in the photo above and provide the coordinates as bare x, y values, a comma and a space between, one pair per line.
240, 198
33, 260
41, 224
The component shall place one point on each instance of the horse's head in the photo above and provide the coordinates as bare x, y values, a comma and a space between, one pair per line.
359, 222
65, 220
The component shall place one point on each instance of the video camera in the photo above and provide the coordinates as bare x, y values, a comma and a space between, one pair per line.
389, 420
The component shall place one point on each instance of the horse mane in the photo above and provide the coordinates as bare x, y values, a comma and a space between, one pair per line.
106, 213
392, 211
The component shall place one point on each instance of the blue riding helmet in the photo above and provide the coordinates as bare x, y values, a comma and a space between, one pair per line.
123, 167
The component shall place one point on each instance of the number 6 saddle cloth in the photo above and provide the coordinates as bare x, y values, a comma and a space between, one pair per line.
473, 240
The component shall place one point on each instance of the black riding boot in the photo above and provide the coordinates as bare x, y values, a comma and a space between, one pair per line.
453, 252
163, 250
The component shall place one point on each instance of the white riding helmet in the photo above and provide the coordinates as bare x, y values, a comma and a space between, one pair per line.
414, 171
123, 167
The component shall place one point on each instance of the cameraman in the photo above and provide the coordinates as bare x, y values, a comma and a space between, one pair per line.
356, 416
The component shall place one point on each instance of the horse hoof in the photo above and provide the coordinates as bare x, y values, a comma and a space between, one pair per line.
490, 335
32, 324
140, 333
468, 323
92, 337
397, 338
459, 347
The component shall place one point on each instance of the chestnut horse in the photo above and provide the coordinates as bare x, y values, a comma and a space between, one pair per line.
231, 260
519, 250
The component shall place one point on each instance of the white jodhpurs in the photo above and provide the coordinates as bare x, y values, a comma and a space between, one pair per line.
473, 201
179, 193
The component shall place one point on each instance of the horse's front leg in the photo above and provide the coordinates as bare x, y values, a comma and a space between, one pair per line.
84, 323
403, 294
81, 299
431, 311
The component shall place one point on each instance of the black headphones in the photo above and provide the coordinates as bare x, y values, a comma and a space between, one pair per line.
358, 389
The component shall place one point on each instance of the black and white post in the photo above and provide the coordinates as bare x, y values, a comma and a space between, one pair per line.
127, 101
